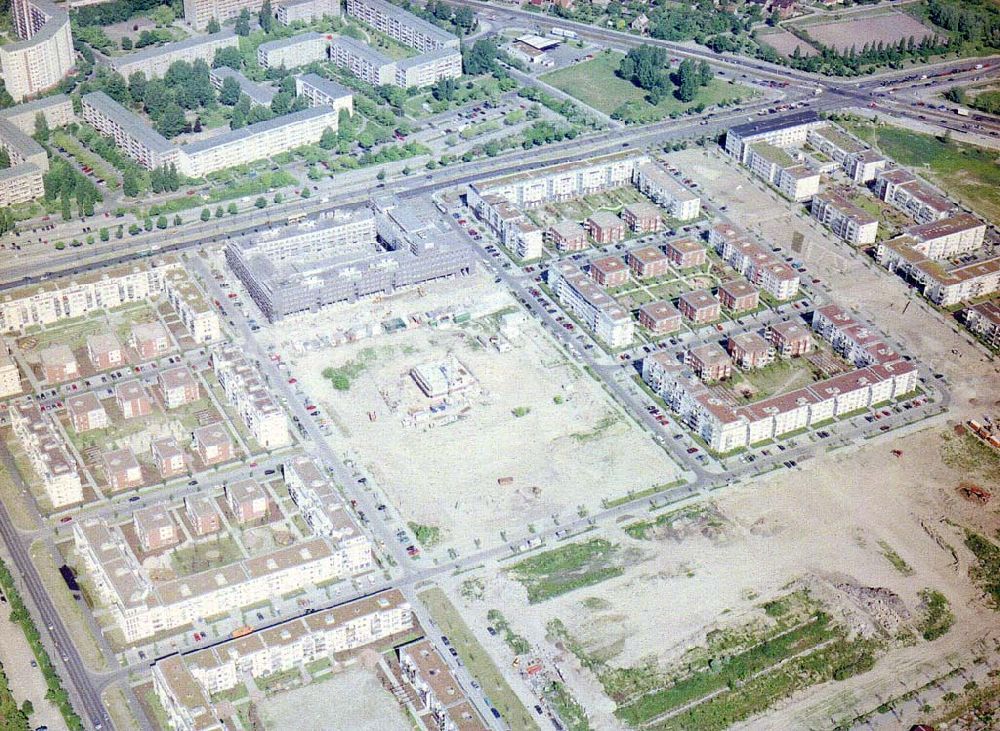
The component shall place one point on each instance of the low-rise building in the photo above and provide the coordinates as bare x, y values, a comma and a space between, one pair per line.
850, 222
104, 352
660, 317
10, 376
202, 515
699, 306
179, 387
605, 227
609, 271
902, 189
440, 700
607, 319
760, 267
780, 169
653, 181
648, 261
150, 340
58, 364
258, 94
642, 217
52, 462
132, 400
168, 457
323, 92
321, 504
750, 350
710, 362
122, 469
686, 253
739, 296
787, 130
212, 443
983, 320
947, 237
86, 412
863, 167
247, 500
195, 311
790, 339
568, 236
247, 392
155, 528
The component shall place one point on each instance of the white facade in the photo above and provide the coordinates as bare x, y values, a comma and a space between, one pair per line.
653, 181
43, 56
49, 457
578, 293
246, 391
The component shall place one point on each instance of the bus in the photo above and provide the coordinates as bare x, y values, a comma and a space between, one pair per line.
564, 33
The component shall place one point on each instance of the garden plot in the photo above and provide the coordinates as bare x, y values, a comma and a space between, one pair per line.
785, 43
578, 209
888, 29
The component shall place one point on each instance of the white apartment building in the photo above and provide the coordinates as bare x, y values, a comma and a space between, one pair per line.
52, 462
656, 183
131, 134
864, 166
143, 608
319, 501
851, 223
513, 229
49, 302
608, 320
902, 189
441, 703
429, 67
948, 237
199, 12
323, 92
401, 25
154, 61
57, 110
22, 181
293, 52
789, 130
245, 390
307, 10
942, 284
44, 54
10, 376
195, 311
760, 267
782, 171
368, 64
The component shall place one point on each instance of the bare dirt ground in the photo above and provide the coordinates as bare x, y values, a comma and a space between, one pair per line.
888, 29
785, 43
572, 447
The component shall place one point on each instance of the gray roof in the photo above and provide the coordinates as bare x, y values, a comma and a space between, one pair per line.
258, 93
289, 42
169, 48
412, 20
14, 139
247, 132
362, 51
35, 105
133, 125
774, 123
14, 172
325, 86
57, 18
427, 57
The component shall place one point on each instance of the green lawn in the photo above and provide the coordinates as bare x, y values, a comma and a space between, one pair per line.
569, 567
596, 84
968, 172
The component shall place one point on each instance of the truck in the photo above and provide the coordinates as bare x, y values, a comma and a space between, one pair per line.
564, 33
241, 631
962, 112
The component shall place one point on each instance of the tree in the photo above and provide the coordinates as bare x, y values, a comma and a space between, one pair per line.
705, 74
177, 219
481, 58
645, 67
687, 81
464, 18
444, 89
260, 202
305, 192
126, 43
229, 56
774, 18
278, 197
238, 119
130, 183
242, 26
219, 213
381, 175
4, 158
281, 102
230, 92
205, 214
41, 128
27, 708
161, 222
265, 17
137, 86
232, 209
328, 140
213, 26
104, 234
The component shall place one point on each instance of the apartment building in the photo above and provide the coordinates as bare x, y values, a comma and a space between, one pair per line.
642, 217
199, 12
258, 94
428, 68
660, 317
323, 92
86, 412
184, 683
559, 182
57, 110
307, 10
193, 308
738, 296
587, 301
849, 222
321, 504
290, 53
863, 167
132, 400
247, 392
686, 253
790, 339
44, 54
212, 444
947, 237
368, 64
52, 462
851, 339
441, 703
750, 350
154, 61
58, 364
168, 457
780, 169
983, 320
648, 261
104, 352
78, 296
401, 25
142, 608
567, 236
122, 470
833, 142
710, 362
178, 387
760, 267
10, 376
609, 271
513, 229
21, 181
131, 134
902, 189
247, 501
700, 306
150, 340
788, 130
656, 183
345, 257
155, 528
605, 227
202, 515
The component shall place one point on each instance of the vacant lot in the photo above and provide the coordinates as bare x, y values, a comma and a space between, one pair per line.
888, 29
568, 567
785, 43
596, 84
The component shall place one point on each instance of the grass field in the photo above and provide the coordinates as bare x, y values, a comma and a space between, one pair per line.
478, 662
567, 568
595, 84
968, 172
